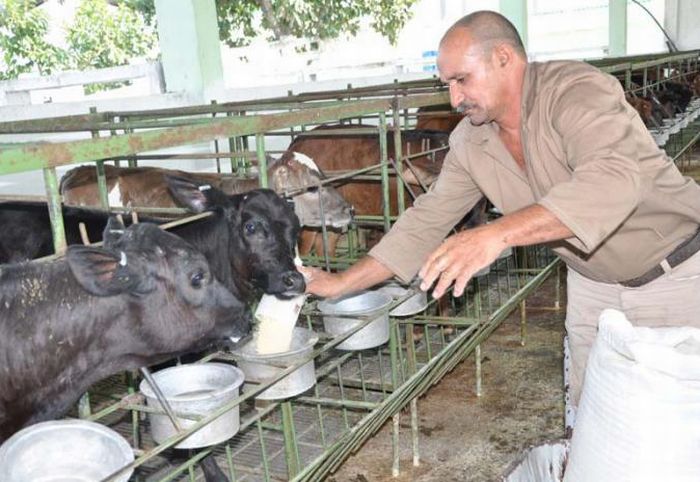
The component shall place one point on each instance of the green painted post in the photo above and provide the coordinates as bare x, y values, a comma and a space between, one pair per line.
216, 144
188, 34
131, 160
55, 212
386, 202
617, 28
291, 450
398, 154
102, 184
100, 168
262, 160
516, 12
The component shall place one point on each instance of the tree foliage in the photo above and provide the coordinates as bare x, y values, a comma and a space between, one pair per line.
22, 32
99, 36
242, 20
103, 37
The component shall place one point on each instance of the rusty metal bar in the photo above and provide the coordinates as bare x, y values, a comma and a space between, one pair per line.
40, 156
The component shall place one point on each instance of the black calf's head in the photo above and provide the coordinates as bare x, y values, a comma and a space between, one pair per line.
167, 280
267, 233
261, 231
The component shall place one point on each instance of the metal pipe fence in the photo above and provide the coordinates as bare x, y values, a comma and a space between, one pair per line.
356, 392
306, 437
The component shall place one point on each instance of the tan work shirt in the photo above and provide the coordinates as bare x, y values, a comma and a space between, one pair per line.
589, 160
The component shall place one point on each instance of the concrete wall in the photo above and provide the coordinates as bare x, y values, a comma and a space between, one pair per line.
683, 23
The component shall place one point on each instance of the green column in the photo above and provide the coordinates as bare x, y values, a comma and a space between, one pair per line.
617, 28
189, 43
516, 12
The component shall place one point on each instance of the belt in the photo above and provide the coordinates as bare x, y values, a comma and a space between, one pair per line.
682, 252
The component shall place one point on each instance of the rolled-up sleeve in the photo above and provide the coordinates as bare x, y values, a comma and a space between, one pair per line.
599, 135
421, 228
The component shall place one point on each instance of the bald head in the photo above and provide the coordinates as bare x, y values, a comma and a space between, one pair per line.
487, 29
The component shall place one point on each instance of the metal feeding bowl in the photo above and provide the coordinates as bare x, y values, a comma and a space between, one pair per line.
414, 304
64, 451
343, 314
260, 368
196, 390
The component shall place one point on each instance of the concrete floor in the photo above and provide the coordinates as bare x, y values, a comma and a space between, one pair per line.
468, 438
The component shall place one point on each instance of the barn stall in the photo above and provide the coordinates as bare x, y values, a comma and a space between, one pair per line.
308, 435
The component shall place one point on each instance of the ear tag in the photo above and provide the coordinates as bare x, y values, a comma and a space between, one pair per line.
204, 187
116, 231
122, 258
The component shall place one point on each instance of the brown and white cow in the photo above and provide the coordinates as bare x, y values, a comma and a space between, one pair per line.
356, 151
438, 118
147, 187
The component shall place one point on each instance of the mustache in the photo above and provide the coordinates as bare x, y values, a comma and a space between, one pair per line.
464, 106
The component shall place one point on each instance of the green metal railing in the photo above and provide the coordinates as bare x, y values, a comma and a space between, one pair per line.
307, 437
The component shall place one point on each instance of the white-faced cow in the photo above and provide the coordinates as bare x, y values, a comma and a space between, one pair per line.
147, 187
145, 297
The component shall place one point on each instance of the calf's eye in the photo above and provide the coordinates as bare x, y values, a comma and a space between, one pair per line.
249, 228
197, 280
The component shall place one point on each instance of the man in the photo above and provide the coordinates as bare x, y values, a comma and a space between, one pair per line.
558, 150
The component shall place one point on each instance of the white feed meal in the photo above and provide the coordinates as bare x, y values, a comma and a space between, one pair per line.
276, 320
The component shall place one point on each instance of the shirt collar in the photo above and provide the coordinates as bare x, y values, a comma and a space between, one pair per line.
528, 98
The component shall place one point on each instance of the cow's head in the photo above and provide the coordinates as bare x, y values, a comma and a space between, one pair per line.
262, 232
295, 171
164, 279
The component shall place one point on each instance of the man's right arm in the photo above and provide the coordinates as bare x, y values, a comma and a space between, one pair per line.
418, 231
362, 275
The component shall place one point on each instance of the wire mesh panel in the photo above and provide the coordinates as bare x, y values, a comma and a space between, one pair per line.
356, 391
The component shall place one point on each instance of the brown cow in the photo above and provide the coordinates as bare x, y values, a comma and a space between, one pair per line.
146, 187
695, 84
438, 118
355, 151
643, 107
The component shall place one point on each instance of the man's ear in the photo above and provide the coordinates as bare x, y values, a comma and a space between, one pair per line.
503, 54
197, 197
103, 273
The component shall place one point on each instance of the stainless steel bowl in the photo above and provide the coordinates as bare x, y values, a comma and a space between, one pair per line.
412, 305
343, 314
64, 451
260, 368
196, 389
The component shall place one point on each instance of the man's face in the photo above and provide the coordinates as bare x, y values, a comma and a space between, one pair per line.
470, 76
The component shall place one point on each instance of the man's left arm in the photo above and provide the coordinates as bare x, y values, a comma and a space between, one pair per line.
466, 252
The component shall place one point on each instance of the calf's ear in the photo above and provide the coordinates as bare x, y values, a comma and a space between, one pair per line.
113, 231
103, 273
194, 195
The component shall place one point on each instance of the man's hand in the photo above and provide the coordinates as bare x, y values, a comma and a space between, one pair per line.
460, 256
465, 253
321, 283
365, 273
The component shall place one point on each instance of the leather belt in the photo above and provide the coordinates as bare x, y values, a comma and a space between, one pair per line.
682, 252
